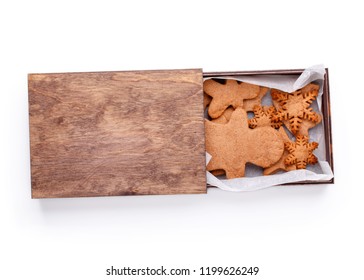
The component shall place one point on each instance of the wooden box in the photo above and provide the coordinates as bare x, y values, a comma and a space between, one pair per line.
124, 133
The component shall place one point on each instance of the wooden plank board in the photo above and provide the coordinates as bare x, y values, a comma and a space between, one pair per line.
117, 133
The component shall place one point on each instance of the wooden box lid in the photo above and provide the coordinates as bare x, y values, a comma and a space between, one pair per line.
117, 133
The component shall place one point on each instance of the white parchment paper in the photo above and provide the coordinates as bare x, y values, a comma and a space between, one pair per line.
254, 179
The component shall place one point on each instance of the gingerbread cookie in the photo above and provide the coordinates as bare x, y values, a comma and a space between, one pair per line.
300, 152
263, 117
232, 93
305, 126
249, 104
225, 117
294, 106
234, 144
217, 172
280, 165
206, 100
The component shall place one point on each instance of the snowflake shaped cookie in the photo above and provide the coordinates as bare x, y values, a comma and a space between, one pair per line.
263, 117
300, 152
295, 106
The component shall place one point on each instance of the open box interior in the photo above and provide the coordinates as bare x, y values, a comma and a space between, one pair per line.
321, 132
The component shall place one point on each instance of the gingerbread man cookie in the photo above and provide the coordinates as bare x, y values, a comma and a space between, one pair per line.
234, 144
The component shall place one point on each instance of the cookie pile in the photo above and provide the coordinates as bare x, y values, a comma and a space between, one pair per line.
233, 140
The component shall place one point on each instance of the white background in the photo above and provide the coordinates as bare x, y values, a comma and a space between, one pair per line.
296, 232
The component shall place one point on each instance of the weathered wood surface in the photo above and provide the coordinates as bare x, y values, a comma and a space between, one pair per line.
117, 133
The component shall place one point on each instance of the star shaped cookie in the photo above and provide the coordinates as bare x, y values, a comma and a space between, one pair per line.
234, 144
232, 93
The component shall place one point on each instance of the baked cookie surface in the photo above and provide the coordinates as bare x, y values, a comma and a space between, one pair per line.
300, 152
295, 107
234, 144
232, 93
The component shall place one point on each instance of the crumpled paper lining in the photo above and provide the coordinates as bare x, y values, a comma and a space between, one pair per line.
254, 179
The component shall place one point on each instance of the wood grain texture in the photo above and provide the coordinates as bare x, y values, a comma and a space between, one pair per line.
117, 133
